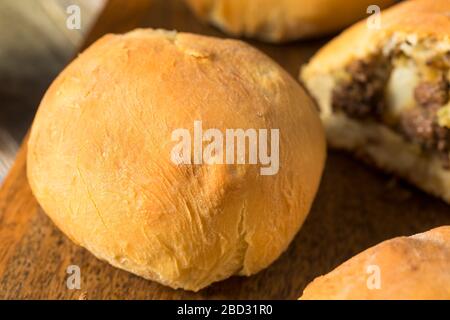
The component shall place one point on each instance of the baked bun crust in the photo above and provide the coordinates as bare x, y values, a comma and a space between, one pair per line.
414, 35
99, 156
282, 20
421, 18
416, 267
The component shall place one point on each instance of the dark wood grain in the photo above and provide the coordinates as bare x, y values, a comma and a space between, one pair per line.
356, 207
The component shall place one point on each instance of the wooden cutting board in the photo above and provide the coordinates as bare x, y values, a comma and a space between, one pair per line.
356, 207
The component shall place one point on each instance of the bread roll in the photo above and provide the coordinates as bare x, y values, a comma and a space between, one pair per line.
403, 268
99, 156
384, 93
282, 20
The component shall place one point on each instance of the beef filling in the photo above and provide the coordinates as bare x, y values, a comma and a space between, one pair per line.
432, 94
420, 124
363, 98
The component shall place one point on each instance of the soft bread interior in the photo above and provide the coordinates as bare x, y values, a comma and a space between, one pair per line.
376, 140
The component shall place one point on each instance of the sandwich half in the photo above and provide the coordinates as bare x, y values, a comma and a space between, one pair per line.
383, 92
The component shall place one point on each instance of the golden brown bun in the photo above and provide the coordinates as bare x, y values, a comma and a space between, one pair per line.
422, 18
99, 156
423, 26
416, 267
282, 20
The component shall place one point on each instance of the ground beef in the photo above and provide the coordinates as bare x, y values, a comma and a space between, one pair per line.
417, 125
420, 125
432, 94
363, 98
